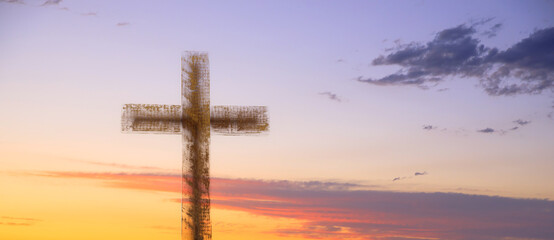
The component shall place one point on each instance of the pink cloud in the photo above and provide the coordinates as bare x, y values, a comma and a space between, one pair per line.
340, 210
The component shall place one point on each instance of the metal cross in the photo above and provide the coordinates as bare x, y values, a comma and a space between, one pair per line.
193, 119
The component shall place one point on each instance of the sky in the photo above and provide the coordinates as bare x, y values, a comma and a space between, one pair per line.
388, 119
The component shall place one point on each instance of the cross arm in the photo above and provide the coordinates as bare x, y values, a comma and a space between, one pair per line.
166, 119
238, 120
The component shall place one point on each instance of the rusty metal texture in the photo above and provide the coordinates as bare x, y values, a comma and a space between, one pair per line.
194, 119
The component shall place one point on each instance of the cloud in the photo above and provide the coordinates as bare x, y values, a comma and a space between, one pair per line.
492, 31
339, 210
123, 166
519, 122
89, 14
331, 96
486, 130
415, 175
527, 67
51, 2
522, 122
120, 165
120, 24
429, 127
18, 221
13, 1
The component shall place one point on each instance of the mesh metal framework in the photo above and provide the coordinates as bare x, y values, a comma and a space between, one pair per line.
166, 119
239, 120
194, 119
151, 118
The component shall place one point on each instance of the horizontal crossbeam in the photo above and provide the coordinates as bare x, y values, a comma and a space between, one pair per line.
167, 119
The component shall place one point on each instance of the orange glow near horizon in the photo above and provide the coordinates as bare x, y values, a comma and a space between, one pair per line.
143, 206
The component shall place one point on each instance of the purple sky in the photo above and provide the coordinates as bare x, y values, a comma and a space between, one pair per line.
363, 92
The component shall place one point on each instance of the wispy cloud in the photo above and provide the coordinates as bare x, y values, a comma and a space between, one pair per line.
89, 14
491, 32
51, 2
18, 221
331, 96
122, 166
125, 167
486, 130
121, 24
13, 1
522, 122
407, 177
524, 68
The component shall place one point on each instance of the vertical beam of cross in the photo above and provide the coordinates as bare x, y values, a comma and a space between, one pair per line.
193, 119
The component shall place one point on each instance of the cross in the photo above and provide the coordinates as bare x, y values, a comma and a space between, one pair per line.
193, 120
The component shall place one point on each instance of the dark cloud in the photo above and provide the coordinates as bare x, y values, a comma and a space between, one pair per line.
442, 89
51, 2
120, 24
530, 61
522, 122
415, 175
527, 67
486, 130
331, 96
429, 127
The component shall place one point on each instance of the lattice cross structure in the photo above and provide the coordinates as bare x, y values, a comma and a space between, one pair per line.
194, 120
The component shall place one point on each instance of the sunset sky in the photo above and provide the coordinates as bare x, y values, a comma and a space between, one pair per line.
389, 120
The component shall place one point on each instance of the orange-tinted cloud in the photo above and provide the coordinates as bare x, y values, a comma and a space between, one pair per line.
18, 221
343, 211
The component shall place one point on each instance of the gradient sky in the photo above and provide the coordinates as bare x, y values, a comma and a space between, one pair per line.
354, 151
